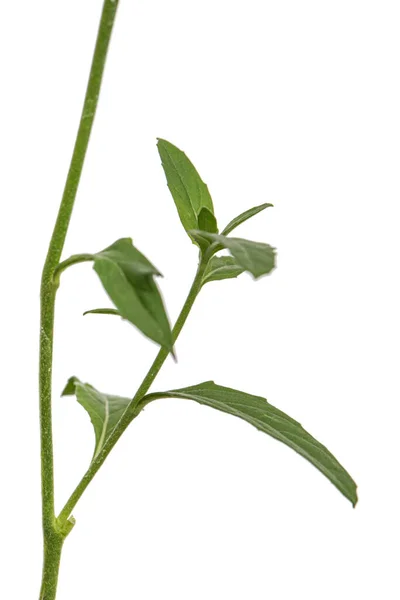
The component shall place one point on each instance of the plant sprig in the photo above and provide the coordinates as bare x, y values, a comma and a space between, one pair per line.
129, 278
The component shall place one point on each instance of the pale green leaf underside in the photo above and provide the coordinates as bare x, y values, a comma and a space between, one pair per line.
188, 190
222, 267
265, 417
104, 410
255, 257
247, 214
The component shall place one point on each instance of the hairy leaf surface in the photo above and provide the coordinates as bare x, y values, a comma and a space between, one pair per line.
265, 417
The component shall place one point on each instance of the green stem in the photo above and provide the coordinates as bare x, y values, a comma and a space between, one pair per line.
48, 291
131, 412
72, 260
51, 566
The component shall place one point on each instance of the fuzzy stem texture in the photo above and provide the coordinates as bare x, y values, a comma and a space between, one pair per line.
53, 537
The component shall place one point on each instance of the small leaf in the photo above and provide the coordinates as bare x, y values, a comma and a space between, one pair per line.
265, 417
222, 267
207, 221
255, 257
127, 277
243, 217
104, 410
201, 239
189, 192
102, 311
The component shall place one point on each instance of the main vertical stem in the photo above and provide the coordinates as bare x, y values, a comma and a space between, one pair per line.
51, 566
53, 538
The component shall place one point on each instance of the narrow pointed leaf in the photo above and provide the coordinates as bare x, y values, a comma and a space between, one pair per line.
255, 257
188, 190
222, 267
102, 311
265, 417
247, 214
128, 278
104, 410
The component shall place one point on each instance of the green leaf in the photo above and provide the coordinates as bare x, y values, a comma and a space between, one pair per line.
102, 311
243, 217
133, 262
104, 410
255, 257
207, 221
201, 239
127, 277
189, 192
265, 417
222, 267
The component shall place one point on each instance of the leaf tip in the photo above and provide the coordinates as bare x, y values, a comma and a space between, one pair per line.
69, 389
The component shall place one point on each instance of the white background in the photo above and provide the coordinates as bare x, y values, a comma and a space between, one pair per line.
295, 103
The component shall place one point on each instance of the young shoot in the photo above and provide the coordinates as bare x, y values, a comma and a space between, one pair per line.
130, 281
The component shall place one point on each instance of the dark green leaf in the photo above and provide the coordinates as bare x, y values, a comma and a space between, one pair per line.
243, 217
258, 412
189, 192
104, 410
222, 267
127, 277
102, 311
207, 221
255, 257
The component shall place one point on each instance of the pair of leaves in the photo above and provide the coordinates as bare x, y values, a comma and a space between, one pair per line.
195, 208
128, 278
106, 410
190, 193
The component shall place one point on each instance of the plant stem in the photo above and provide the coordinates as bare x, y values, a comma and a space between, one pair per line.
52, 536
131, 411
51, 566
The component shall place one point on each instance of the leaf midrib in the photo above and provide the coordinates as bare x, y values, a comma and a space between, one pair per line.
183, 183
